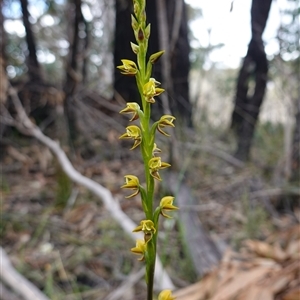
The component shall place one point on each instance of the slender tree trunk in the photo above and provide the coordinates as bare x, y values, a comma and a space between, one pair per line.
3, 77
34, 69
124, 85
2, 32
73, 74
255, 66
179, 60
295, 174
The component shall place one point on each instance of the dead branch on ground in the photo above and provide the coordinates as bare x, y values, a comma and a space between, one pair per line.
16, 281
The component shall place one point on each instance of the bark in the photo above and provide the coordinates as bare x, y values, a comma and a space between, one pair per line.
255, 66
34, 69
3, 77
203, 251
124, 85
295, 174
73, 76
179, 60
2, 32
17, 282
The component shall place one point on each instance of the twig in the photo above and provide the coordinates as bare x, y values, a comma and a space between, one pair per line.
131, 280
71, 200
163, 280
164, 44
274, 192
217, 152
6, 294
16, 281
176, 24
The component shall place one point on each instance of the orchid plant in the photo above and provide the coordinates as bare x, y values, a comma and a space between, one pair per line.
143, 136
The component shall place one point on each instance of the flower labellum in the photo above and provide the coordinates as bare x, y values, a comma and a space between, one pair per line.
166, 204
132, 107
147, 226
155, 164
165, 295
128, 68
165, 120
131, 182
150, 90
140, 248
133, 132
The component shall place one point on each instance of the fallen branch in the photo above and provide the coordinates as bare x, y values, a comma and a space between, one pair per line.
16, 281
25, 126
129, 282
204, 252
216, 152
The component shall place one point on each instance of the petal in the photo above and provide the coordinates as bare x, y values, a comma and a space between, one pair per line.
150, 100
133, 194
155, 175
158, 91
125, 136
136, 143
131, 182
155, 163
148, 225
138, 228
165, 165
165, 215
165, 295
166, 200
155, 149
161, 131
155, 57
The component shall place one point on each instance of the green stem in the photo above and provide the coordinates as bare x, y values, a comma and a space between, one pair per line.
150, 268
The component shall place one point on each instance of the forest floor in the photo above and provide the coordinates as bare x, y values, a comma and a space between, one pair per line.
59, 236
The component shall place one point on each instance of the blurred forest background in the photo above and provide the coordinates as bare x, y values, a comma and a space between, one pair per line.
234, 151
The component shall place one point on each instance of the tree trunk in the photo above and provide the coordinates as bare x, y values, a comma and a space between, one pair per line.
34, 69
255, 66
73, 75
295, 174
124, 85
179, 60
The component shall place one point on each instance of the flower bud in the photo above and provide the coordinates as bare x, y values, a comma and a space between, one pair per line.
135, 48
141, 35
147, 31
156, 56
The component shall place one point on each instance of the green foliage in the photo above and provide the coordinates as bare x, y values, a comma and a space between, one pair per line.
268, 139
256, 218
63, 188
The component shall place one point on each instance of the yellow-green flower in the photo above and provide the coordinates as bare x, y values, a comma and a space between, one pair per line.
155, 150
156, 56
128, 68
166, 204
165, 295
133, 132
140, 248
135, 48
155, 164
131, 108
147, 226
150, 90
165, 120
131, 182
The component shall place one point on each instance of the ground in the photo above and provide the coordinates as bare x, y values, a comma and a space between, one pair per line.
60, 236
